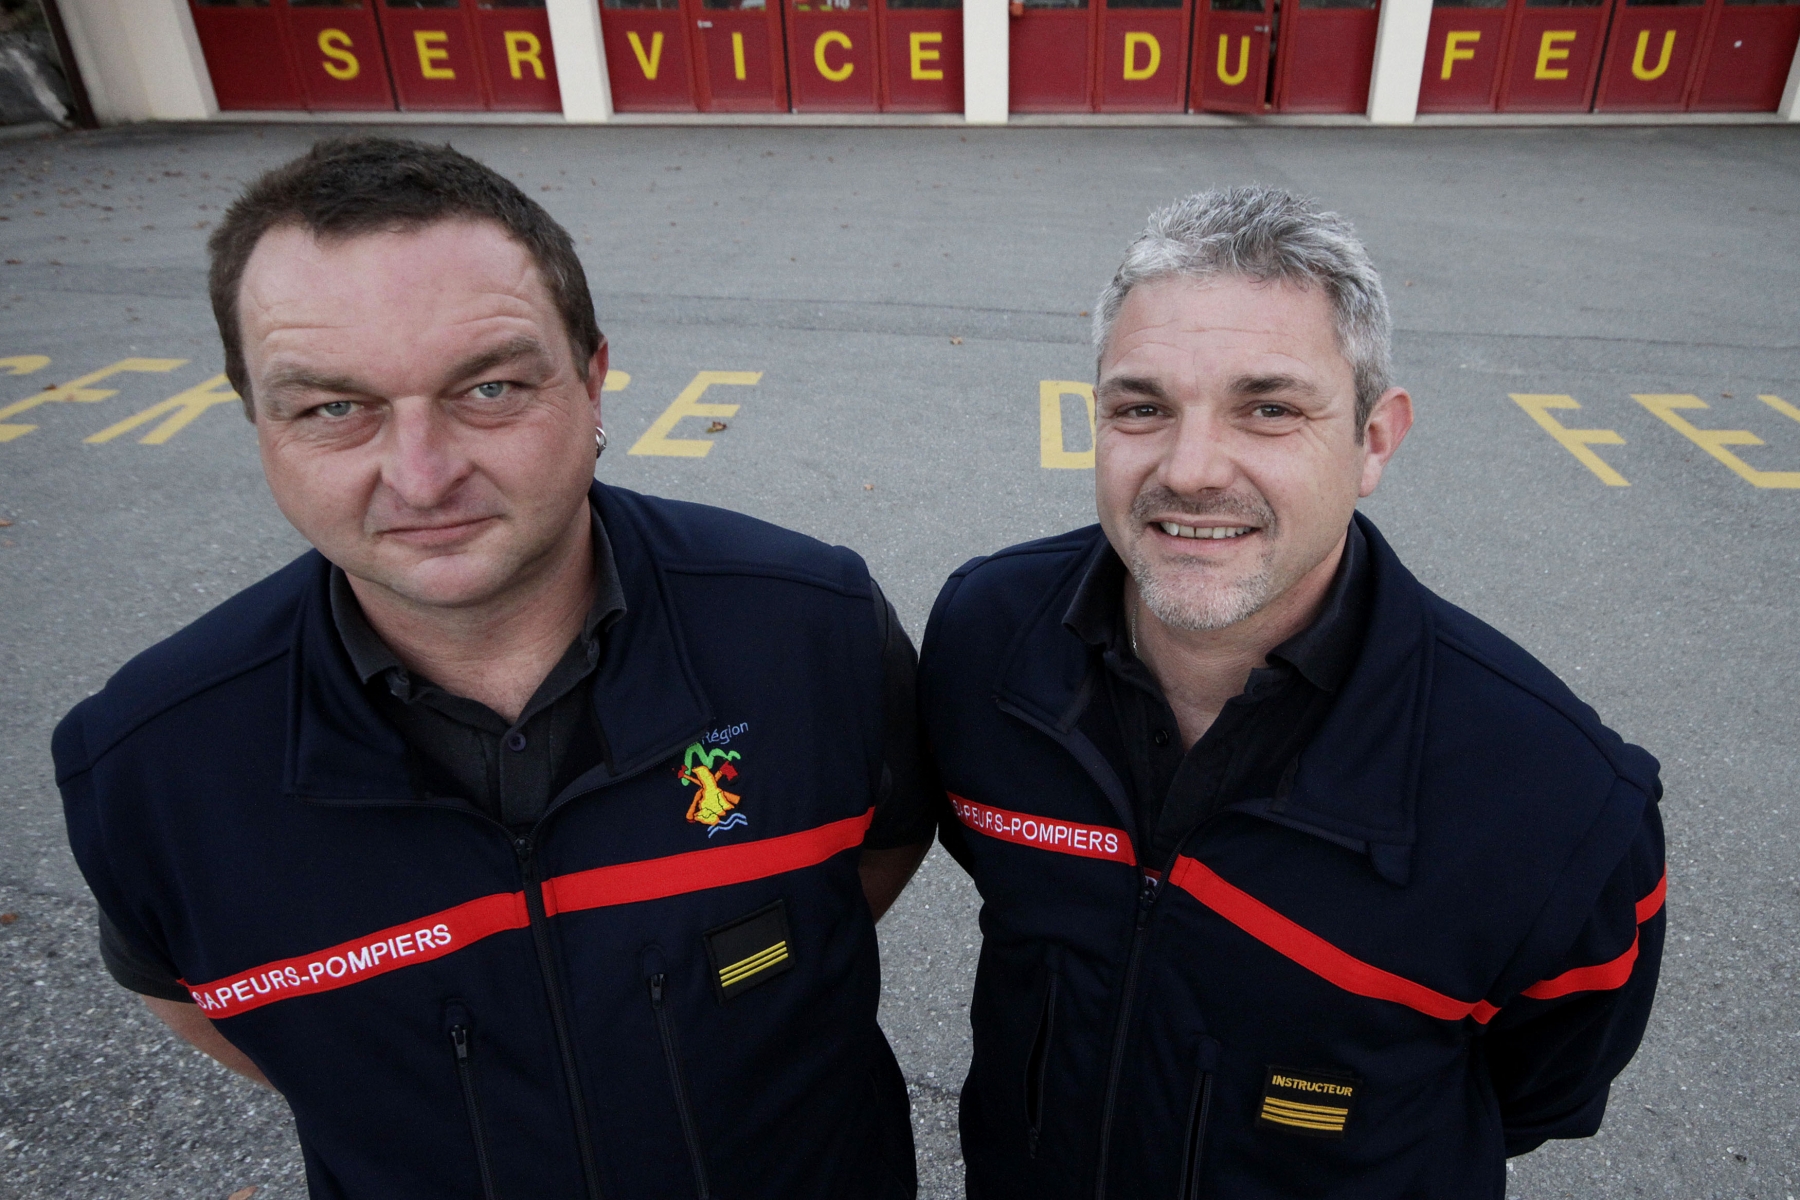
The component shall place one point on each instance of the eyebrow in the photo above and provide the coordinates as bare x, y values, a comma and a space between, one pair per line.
1269, 385
513, 349
1137, 385
286, 380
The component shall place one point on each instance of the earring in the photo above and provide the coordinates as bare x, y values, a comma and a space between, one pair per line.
599, 441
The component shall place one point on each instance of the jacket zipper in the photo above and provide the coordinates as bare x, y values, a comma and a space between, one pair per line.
1146, 900
1196, 1147
679, 1084
459, 1040
559, 1020
1035, 1069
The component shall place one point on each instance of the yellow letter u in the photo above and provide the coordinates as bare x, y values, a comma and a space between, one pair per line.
1662, 63
1233, 78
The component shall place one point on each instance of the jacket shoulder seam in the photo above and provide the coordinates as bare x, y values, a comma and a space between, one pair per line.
1573, 720
184, 696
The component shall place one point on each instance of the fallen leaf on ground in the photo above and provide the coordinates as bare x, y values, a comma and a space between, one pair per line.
242, 1194
956, 341
868, 487
8, 918
1727, 395
4, 522
717, 427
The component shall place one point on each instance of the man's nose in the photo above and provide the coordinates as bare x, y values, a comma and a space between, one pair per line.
1199, 458
423, 461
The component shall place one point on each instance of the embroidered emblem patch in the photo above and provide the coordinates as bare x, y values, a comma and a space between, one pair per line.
1309, 1103
705, 770
749, 950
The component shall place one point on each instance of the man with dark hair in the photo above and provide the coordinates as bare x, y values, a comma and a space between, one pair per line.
1296, 879
528, 834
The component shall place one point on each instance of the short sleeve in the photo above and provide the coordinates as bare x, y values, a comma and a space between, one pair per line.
136, 970
908, 804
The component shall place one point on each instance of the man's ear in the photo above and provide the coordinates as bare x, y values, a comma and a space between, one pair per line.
596, 376
1388, 422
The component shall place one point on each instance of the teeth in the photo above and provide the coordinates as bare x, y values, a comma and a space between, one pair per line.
1203, 531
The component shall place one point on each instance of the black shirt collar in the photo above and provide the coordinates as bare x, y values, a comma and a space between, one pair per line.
370, 656
1322, 653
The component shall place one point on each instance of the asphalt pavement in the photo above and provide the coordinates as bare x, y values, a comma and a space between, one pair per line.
913, 301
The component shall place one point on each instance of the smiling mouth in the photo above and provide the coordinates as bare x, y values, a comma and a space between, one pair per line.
1204, 532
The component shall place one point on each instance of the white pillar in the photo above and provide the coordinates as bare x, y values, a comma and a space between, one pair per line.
1790, 96
140, 59
580, 60
986, 35
1399, 61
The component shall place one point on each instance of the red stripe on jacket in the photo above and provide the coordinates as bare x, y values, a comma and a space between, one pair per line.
446, 932
1293, 941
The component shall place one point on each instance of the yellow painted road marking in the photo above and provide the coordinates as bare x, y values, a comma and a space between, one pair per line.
656, 439
1050, 425
180, 411
1781, 406
79, 390
24, 364
1714, 441
615, 381
1575, 441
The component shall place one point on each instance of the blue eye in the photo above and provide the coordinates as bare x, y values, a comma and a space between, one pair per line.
338, 408
490, 391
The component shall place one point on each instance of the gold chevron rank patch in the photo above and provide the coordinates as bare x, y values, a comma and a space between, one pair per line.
1309, 1103
749, 951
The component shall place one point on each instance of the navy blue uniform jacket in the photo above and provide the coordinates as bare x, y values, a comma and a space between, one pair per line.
667, 987
1435, 947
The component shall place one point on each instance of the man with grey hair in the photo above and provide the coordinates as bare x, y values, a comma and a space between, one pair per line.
1297, 880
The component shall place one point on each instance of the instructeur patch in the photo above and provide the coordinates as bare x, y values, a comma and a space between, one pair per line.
1309, 1103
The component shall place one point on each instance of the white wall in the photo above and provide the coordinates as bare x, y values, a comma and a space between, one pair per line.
140, 59
1399, 61
986, 34
1790, 97
580, 60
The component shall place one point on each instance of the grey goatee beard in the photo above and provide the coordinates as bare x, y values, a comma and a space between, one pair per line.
1180, 594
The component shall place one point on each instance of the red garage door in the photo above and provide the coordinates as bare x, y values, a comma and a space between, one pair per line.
1307, 56
1749, 51
648, 60
1609, 55
1554, 55
1463, 52
833, 55
463, 56
1698, 54
1324, 54
324, 56
1143, 53
922, 55
1232, 46
1051, 56
1651, 54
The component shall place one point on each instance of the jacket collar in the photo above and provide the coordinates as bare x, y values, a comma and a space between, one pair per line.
1355, 784
646, 695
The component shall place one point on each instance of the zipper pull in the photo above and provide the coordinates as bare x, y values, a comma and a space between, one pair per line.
1146, 898
459, 1037
656, 991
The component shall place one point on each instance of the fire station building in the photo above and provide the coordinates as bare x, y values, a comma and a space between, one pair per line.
979, 61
